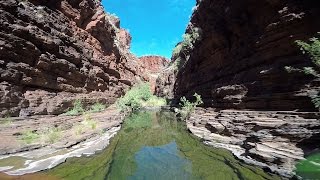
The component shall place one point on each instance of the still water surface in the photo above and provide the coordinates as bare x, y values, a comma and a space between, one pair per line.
154, 146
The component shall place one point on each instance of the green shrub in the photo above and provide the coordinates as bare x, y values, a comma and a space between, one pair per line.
77, 109
139, 96
312, 48
29, 137
134, 98
188, 107
155, 101
316, 101
52, 135
97, 107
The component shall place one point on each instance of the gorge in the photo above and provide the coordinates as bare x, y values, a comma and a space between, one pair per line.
257, 120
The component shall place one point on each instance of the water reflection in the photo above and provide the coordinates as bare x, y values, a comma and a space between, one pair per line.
153, 145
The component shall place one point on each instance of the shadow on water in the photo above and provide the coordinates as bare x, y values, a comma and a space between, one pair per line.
153, 145
309, 168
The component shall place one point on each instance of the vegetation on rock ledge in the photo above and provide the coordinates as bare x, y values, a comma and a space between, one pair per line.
139, 96
180, 54
188, 107
313, 50
78, 108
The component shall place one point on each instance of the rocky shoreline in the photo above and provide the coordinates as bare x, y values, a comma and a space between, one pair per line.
274, 140
75, 139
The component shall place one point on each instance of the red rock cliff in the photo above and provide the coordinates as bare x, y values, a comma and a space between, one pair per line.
243, 46
152, 66
55, 51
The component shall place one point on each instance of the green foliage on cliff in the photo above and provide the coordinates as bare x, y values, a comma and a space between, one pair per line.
139, 96
181, 52
312, 49
188, 107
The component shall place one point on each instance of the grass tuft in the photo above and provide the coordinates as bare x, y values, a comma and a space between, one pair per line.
76, 110
29, 137
97, 107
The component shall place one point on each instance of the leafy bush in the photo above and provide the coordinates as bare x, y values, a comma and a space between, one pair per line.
188, 107
155, 101
29, 137
77, 109
139, 96
97, 107
313, 50
316, 100
134, 97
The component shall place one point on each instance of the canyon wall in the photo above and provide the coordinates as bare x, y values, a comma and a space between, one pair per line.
152, 66
238, 55
234, 55
55, 51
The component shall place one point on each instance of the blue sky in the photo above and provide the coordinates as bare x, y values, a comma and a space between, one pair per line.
156, 26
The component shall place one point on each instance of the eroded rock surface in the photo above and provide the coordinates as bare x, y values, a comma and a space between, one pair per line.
240, 56
43, 142
234, 55
71, 130
266, 138
53, 52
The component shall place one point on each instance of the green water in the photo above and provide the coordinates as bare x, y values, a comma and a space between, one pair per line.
310, 167
153, 145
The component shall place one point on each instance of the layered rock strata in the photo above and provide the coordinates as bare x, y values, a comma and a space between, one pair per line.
43, 142
273, 140
236, 53
53, 52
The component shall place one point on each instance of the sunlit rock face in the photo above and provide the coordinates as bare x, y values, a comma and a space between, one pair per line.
53, 52
153, 66
154, 63
239, 60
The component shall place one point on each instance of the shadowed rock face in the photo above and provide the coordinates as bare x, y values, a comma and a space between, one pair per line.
239, 63
53, 52
245, 45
